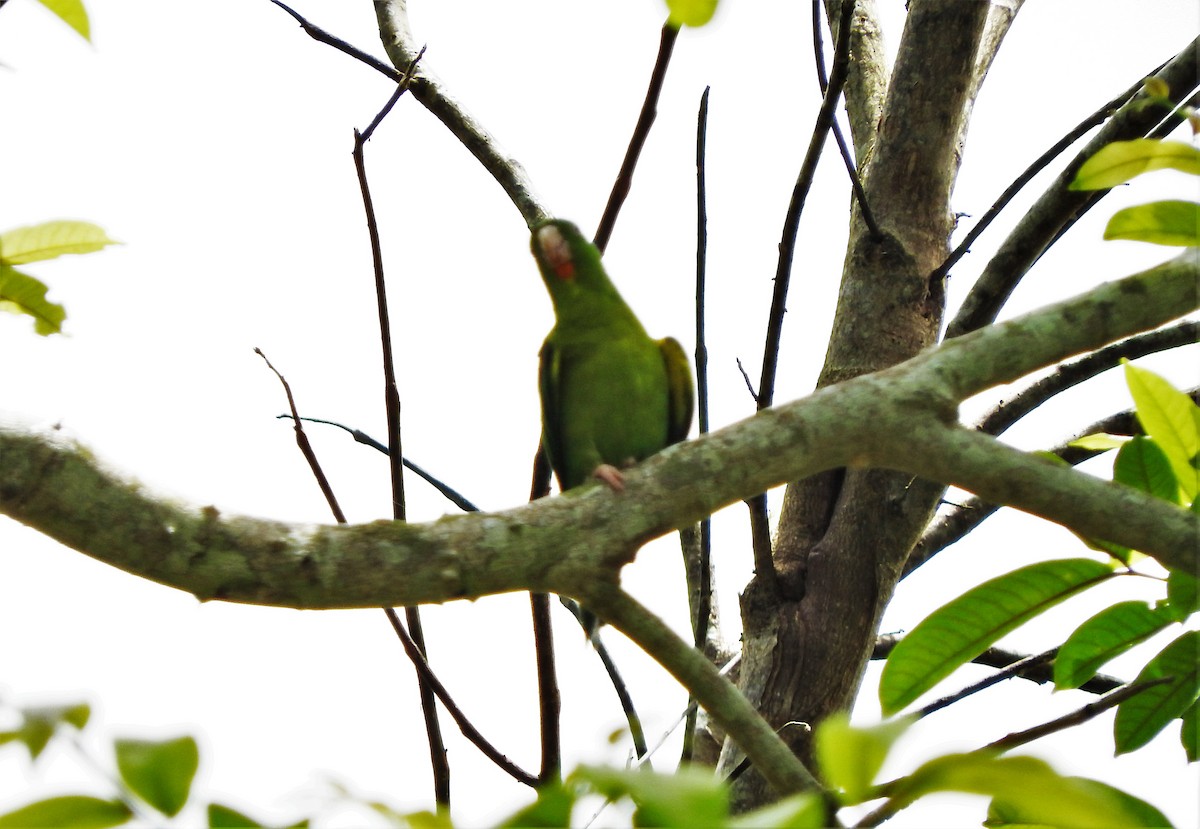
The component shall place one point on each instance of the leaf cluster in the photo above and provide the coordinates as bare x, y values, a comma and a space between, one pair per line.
1164, 463
21, 293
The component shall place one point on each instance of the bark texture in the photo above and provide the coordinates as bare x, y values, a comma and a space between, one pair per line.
843, 535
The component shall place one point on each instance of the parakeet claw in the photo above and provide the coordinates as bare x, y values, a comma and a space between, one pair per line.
610, 475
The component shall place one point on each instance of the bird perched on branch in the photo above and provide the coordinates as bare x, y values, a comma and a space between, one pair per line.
611, 395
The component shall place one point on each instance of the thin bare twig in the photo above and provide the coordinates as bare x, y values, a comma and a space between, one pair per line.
1096, 118
1059, 208
306, 447
415, 633
454, 496
697, 556
760, 534
860, 195
641, 132
464, 723
787, 245
549, 698
431, 94
468, 730
1076, 717
1072, 374
321, 36
1020, 665
636, 732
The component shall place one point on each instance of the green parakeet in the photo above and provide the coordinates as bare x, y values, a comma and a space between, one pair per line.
611, 395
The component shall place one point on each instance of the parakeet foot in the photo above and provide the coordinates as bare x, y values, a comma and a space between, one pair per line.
610, 475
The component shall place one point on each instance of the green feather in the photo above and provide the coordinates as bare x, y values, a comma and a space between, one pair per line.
610, 394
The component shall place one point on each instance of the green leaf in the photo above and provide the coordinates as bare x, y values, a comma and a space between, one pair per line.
1099, 442
1021, 784
690, 797
1169, 222
49, 240
39, 725
1028, 813
1169, 416
1156, 87
690, 12
35, 733
800, 811
849, 757
68, 812
552, 808
1142, 464
159, 772
1141, 717
967, 626
1108, 634
223, 817
1183, 594
1122, 160
1189, 733
22, 294
73, 14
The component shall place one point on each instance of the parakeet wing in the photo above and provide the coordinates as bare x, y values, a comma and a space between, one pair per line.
680, 398
549, 387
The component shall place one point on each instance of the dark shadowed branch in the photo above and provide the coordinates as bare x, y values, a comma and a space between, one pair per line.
1058, 208
641, 132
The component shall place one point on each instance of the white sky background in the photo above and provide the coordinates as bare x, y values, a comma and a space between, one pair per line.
216, 146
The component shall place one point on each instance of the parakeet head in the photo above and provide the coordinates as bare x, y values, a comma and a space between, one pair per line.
569, 263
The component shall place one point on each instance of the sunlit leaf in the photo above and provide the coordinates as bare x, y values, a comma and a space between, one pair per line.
159, 771
20, 293
1142, 464
1189, 734
1156, 87
1169, 222
1122, 160
223, 817
1169, 416
552, 808
1183, 594
690, 12
72, 13
68, 812
35, 733
1031, 812
1099, 442
50, 240
1023, 785
850, 757
964, 628
801, 811
689, 797
1105, 636
1141, 717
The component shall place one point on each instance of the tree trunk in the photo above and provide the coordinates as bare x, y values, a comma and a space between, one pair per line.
843, 536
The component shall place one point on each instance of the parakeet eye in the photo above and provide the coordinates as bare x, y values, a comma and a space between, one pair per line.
556, 251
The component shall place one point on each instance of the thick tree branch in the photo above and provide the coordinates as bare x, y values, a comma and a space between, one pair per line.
899, 418
970, 513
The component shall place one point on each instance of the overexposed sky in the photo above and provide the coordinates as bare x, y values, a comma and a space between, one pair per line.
215, 141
